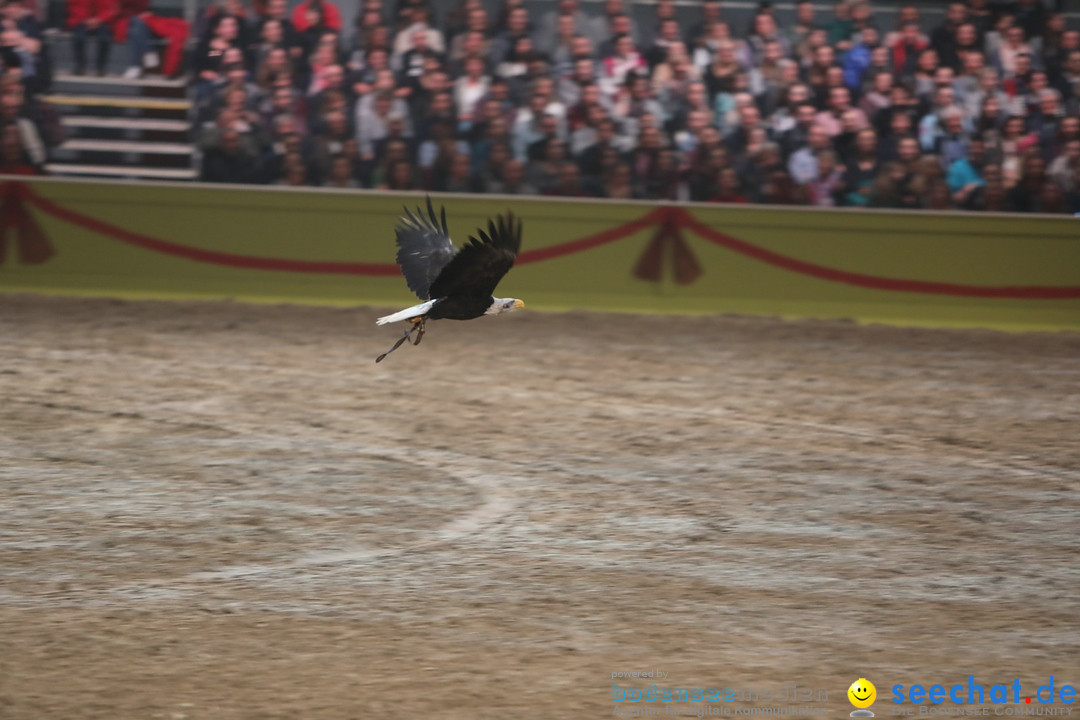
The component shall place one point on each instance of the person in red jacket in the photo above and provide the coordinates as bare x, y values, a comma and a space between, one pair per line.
906, 49
331, 16
91, 19
138, 26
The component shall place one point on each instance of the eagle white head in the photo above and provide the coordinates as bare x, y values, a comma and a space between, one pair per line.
504, 305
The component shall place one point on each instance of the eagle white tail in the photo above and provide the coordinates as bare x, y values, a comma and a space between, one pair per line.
406, 313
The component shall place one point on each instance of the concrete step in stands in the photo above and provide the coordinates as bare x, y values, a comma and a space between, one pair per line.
120, 127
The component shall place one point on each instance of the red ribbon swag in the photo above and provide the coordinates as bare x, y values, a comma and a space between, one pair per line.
667, 247
666, 242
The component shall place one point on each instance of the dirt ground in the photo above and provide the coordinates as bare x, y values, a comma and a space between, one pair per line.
214, 510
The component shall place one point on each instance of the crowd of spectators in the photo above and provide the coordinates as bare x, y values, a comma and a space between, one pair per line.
26, 127
977, 109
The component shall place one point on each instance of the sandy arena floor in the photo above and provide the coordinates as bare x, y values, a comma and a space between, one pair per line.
224, 511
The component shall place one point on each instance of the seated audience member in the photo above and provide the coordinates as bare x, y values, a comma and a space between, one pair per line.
469, 90
229, 161
826, 190
24, 151
618, 65
137, 26
964, 176
803, 163
91, 20
310, 13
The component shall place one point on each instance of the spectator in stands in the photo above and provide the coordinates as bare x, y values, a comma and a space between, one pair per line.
805, 23
460, 178
694, 101
315, 13
667, 34
209, 57
513, 180
878, 98
473, 42
277, 12
1027, 194
545, 163
943, 39
373, 121
230, 160
780, 112
1065, 168
803, 163
21, 46
662, 12
704, 165
377, 173
697, 36
949, 139
24, 149
553, 29
400, 177
860, 169
612, 22
839, 103
14, 160
582, 117
906, 50
91, 20
1014, 45
766, 77
619, 63
634, 102
887, 190
728, 188
571, 86
764, 33
858, 60
469, 90
529, 125
330, 141
341, 173
506, 45
1031, 16
966, 80
1056, 48
798, 135
982, 17
672, 77
926, 74
965, 178
569, 182
138, 27
826, 189
643, 157
724, 69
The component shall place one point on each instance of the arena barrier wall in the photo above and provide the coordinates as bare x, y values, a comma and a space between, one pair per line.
309, 246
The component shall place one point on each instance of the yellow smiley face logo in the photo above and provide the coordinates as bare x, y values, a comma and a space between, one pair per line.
862, 693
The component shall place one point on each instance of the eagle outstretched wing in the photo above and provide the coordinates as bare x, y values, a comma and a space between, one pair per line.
424, 248
481, 263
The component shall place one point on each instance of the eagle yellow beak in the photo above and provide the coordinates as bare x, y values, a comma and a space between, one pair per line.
518, 304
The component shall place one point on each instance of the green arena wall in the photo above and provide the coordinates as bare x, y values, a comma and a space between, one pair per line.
260, 244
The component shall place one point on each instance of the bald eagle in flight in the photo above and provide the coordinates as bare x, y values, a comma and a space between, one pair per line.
454, 284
